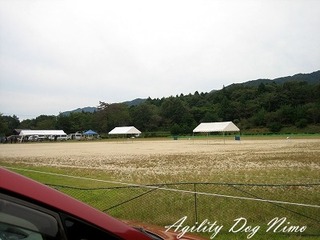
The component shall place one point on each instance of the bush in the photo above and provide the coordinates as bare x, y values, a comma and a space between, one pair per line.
275, 127
302, 123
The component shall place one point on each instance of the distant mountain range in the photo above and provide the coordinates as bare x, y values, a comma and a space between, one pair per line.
85, 109
311, 78
134, 102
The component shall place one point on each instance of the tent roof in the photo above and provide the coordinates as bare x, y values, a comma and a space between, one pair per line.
125, 130
41, 132
216, 127
90, 132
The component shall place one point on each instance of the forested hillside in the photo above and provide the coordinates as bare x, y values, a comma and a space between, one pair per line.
292, 106
311, 78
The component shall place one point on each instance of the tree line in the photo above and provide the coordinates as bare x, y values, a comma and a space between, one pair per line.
267, 108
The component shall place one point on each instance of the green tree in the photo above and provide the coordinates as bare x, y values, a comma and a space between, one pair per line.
112, 115
145, 117
175, 111
100, 117
28, 124
275, 127
286, 114
10, 123
225, 110
259, 119
4, 129
301, 123
313, 112
44, 122
75, 122
64, 123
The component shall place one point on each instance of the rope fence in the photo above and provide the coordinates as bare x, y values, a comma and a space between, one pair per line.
164, 204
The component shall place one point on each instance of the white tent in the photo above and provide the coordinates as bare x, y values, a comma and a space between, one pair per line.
216, 127
42, 132
125, 130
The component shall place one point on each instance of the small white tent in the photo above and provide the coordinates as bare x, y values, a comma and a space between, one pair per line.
216, 127
125, 130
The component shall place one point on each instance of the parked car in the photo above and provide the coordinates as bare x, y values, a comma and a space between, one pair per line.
75, 136
33, 138
32, 211
58, 137
62, 138
36, 138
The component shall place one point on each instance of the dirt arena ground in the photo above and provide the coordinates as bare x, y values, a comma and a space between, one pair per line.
134, 159
247, 162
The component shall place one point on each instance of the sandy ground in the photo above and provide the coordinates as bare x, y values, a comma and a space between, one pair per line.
98, 154
138, 147
278, 161
170, 157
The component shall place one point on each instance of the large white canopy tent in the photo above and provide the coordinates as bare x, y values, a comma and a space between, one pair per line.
126, 130
216, 127
42, 132
45, 133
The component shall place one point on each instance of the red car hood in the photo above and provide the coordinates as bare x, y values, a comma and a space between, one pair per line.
161, 232
29, 189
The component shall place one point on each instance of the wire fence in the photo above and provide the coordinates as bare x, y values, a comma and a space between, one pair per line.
296, 206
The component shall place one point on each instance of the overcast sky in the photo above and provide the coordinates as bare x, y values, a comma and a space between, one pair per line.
58, 55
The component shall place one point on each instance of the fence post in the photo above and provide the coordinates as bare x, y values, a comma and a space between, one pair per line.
195, 204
